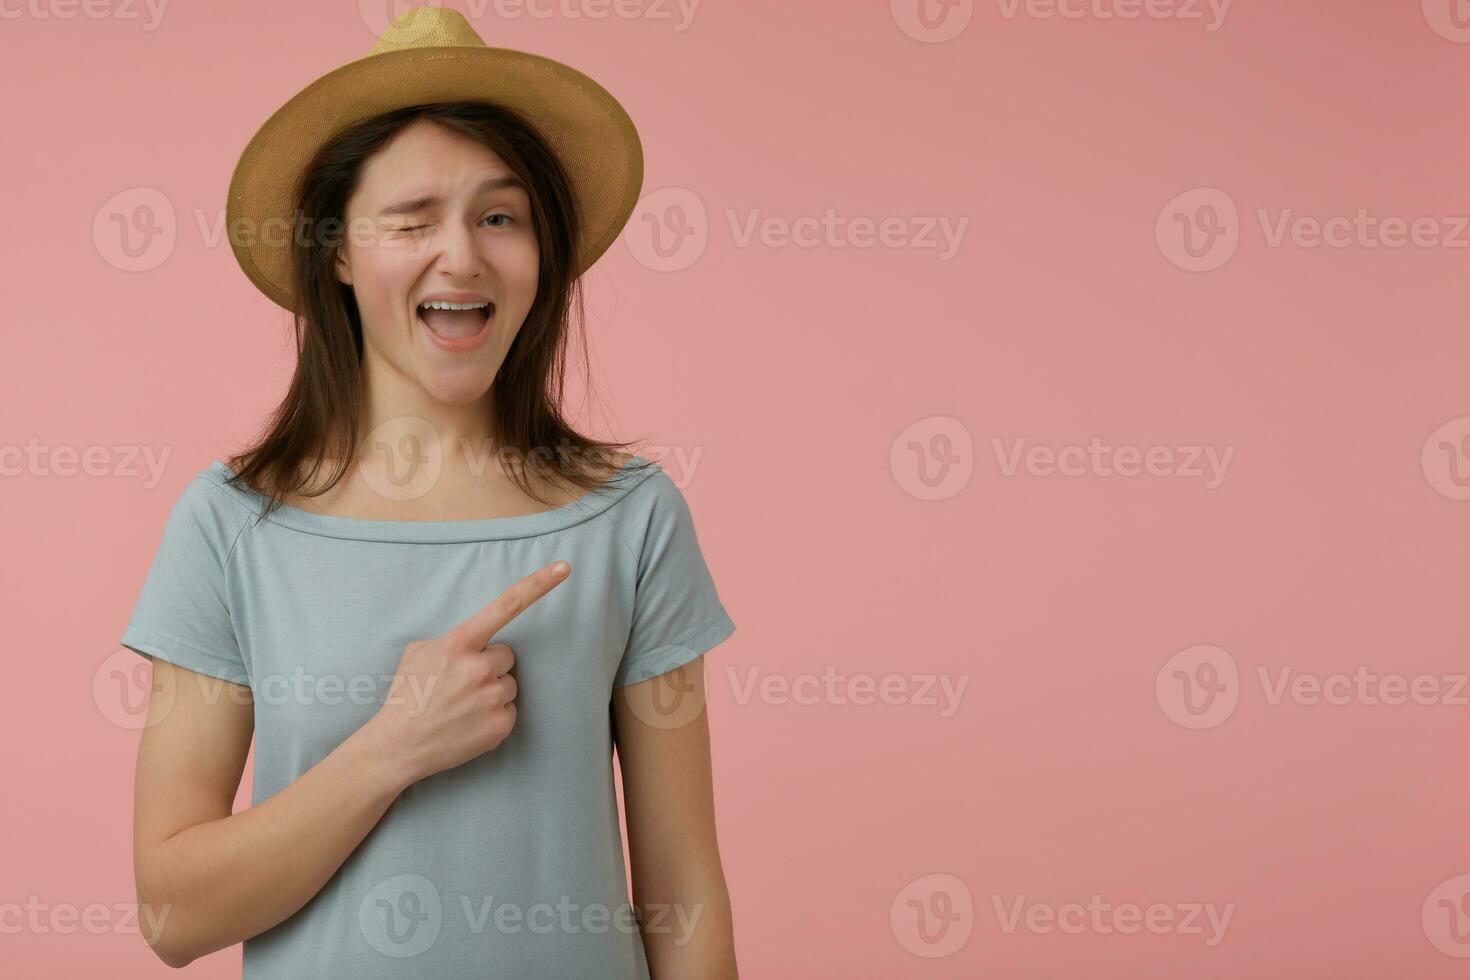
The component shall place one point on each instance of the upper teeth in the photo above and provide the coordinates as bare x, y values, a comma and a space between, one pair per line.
439, 304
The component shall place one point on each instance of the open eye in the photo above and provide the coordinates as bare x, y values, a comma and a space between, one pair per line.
499, 214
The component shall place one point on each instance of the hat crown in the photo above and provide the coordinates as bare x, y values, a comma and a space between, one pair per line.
430, 54
427, 27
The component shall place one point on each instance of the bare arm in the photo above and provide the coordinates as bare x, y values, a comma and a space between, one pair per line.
678, 882
207, 879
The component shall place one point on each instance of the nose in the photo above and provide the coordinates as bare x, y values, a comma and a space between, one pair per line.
459, 252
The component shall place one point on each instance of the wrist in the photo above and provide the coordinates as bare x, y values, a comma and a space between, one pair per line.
379, 753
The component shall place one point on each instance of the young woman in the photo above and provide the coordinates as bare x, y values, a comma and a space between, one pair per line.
434, 606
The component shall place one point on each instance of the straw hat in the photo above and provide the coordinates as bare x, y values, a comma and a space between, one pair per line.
431, 54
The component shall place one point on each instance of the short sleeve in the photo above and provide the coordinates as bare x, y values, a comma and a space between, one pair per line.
183, 614
677, 614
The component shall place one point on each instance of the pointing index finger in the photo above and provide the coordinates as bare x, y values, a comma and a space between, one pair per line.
478, 629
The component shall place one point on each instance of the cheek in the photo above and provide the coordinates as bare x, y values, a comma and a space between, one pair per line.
382, 276
518, 264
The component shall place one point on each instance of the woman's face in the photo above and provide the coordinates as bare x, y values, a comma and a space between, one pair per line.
438, 216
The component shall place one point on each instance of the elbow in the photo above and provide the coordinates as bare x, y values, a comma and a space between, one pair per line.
163, 931
166, 945
172, 958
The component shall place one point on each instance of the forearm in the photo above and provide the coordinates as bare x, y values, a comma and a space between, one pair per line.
689, 932
218, 883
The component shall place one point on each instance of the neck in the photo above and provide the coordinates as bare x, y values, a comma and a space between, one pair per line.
399, 419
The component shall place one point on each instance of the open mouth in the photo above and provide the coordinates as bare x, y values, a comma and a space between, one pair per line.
455, 321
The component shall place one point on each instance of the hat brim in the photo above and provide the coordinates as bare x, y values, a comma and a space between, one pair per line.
588, 130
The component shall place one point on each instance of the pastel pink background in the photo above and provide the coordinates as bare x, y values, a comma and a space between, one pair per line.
797, 373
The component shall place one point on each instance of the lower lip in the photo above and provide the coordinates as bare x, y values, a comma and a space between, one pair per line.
457, 345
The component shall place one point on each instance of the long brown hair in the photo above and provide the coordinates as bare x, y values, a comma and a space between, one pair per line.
318, 418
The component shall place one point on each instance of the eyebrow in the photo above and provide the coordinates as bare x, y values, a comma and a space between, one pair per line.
420, 203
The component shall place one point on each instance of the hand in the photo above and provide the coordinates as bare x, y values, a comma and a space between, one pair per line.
453, 697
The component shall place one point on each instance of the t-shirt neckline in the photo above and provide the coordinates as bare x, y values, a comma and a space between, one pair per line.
633, 471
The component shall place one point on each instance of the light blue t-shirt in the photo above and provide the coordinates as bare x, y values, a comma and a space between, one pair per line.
510, 865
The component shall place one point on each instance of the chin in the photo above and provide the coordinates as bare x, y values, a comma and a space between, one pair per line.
460, 387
